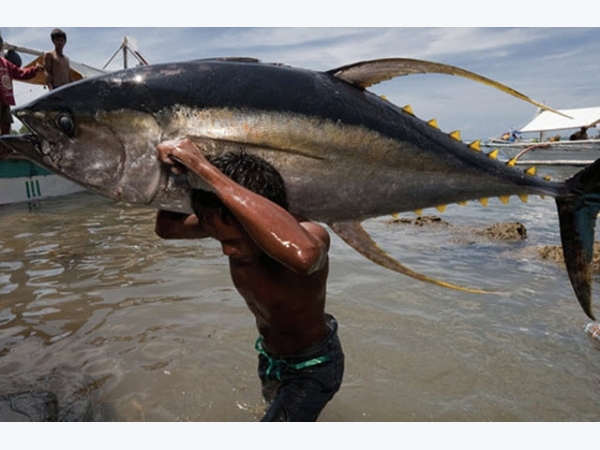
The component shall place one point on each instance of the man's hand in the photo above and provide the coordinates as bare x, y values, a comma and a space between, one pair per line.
179, 154
184, 156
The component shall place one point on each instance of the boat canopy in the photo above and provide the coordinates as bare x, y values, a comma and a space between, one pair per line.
550, 121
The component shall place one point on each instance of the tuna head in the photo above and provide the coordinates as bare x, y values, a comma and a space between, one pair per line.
82, 132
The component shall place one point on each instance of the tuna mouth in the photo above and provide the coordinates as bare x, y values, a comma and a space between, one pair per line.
26, 145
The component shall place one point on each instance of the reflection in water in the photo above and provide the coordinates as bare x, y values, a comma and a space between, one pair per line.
94, 306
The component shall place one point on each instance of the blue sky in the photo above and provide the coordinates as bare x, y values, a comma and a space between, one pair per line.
558, 66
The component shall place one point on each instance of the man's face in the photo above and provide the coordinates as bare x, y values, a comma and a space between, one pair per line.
235, 241
59, 42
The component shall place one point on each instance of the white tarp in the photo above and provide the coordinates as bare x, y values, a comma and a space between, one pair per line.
549, 121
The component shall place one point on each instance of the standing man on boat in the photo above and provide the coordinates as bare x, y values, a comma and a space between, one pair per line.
279, 264
8, 72
55, 62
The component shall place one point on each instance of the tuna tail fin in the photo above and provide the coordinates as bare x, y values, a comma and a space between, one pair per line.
577, 213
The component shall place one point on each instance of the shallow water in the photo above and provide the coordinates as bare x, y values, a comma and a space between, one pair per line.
93, 304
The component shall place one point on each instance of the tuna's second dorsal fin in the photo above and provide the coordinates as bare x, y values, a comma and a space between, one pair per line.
367, 73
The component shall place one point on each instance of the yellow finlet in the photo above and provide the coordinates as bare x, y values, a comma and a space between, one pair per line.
530, 171
512, 162
433, 123
504, 199
524, 198
493, 154
441, 208
462, 203
419, 212
475, 145
395, 215
547, 178
383, 97
483, 201
407, 109
455, 135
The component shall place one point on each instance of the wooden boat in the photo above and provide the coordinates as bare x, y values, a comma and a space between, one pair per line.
550, 137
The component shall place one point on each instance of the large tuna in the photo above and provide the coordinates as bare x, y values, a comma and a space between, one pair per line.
345, 153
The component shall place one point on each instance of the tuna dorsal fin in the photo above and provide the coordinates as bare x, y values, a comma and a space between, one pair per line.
356, 237
367, 73
243, 59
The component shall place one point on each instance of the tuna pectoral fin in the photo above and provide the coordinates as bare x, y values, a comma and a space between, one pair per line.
577, 214
356, 237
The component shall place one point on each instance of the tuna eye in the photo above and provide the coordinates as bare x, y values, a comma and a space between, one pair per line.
65, 124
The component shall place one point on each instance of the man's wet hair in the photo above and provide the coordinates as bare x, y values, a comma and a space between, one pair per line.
249, 171
56, 33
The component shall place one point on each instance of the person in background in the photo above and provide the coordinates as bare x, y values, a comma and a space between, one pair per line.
278, 263
8, 72
55, 62
580, 135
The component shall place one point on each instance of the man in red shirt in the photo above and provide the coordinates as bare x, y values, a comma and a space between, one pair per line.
8, 72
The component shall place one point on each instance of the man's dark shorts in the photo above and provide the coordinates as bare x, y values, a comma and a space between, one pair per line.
297, 388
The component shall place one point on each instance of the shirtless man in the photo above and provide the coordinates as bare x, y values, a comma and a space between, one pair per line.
55, 62
279, 265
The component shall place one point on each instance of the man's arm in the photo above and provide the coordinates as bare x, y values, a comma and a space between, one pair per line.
17, 73
300, 246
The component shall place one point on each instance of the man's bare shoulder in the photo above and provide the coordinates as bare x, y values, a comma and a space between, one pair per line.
317, 230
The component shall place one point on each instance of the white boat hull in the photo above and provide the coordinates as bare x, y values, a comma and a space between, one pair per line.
22, 181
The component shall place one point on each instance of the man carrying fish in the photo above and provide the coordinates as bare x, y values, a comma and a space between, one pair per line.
278, 263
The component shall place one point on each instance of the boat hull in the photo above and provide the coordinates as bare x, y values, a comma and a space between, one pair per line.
585, 151
23, 181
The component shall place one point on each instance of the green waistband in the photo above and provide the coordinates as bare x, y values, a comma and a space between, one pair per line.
278, 363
